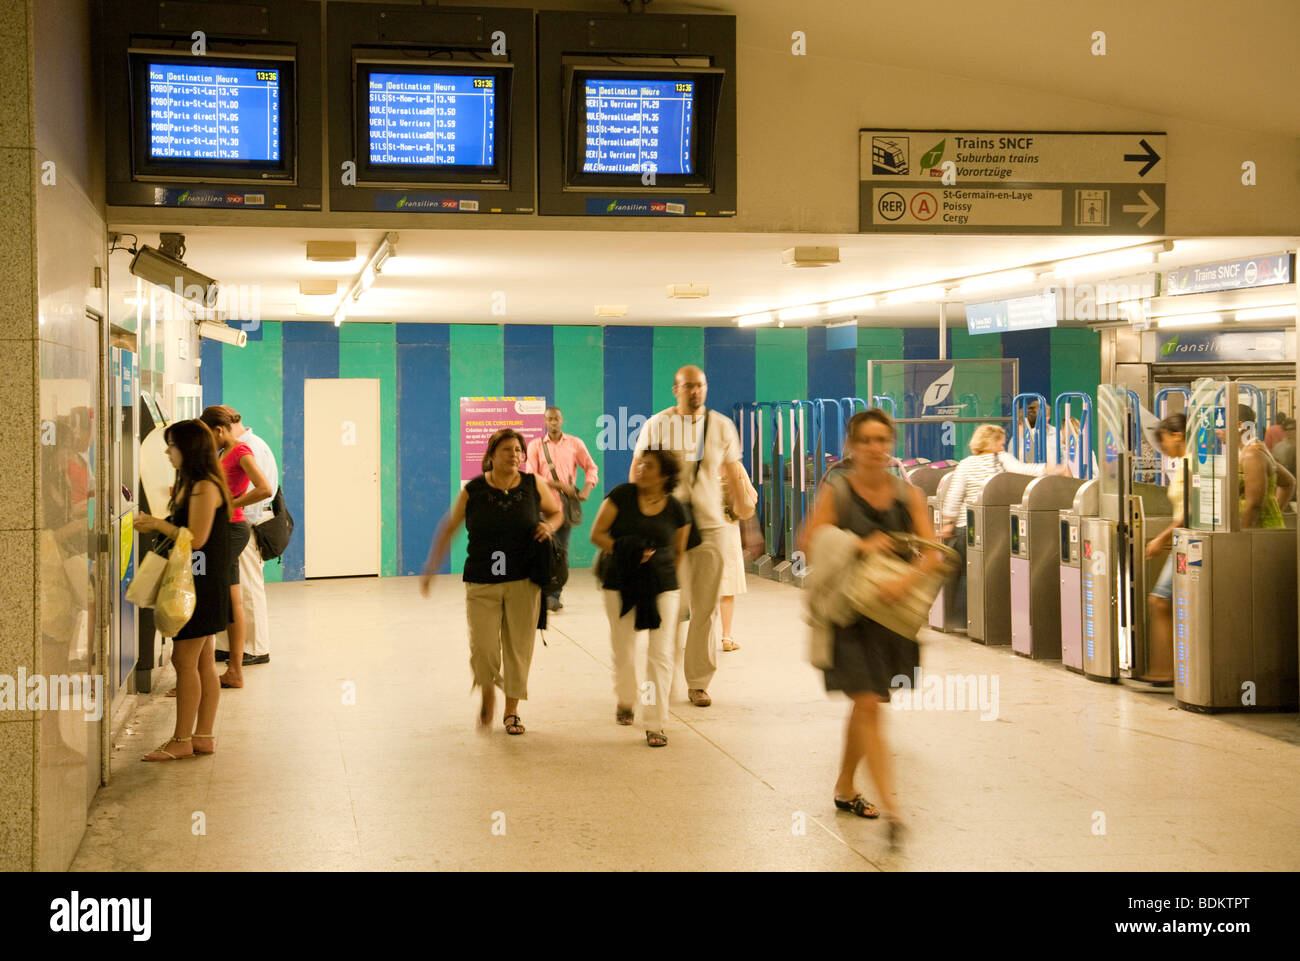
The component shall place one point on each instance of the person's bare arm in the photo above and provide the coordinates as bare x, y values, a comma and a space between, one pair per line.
552, 513
683, 535
600, 526
1255, 475
1285, 485
742, 500
442, 540
204, 501
259, 488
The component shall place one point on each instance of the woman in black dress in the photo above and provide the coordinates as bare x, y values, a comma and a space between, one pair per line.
201, 502
869, 501
505, 512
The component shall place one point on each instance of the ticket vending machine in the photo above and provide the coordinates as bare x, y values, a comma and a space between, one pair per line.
1234, 589
122, 489
1036, 568
988, 558
1084, 505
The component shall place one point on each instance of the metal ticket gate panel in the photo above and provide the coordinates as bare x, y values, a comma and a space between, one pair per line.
1114, 586
1071, 586
988, 558
1235, 653
1036, 567
944, 615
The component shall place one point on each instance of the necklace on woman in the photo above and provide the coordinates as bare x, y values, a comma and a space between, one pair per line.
495, 482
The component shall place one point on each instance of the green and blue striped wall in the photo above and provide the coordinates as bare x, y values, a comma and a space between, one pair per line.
605, 379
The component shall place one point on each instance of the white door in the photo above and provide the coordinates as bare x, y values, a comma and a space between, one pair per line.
341, 477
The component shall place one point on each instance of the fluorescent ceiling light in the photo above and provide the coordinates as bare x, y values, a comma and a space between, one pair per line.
1278, 312
1022, 277
1111, 260
1190, 320
314, 306
753, 320
913, 295
797, 313
850, 306
611, 310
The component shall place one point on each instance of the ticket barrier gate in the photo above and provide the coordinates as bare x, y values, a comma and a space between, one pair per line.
944, 615
1115, 580
795, 486
761, 475
1071, 587
1235, 620
988, 558
1035, 566
1234, 595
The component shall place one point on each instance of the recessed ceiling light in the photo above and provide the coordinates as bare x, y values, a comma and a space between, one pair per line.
1280, 312
810, 256
331, 251
687, 291
318, 288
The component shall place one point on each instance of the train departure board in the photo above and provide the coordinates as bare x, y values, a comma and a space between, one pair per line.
420, 119
204, 112
634, 126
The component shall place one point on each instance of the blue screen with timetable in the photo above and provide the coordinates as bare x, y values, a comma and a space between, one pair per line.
202, 112
433, 119
634, 126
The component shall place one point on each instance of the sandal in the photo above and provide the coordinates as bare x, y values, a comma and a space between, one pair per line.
168, 755
656, 738
729, 645
517, 727
624, 715
206, 737
859, 806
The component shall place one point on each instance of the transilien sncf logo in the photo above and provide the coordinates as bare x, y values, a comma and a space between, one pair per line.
937, 392
1170, 347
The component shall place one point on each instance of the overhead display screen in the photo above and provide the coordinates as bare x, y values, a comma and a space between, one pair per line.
633, 126
432, 119
203, 112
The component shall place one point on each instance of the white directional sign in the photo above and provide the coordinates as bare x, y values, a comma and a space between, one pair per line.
980, 181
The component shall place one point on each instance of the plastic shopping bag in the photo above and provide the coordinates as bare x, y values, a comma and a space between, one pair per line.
176, 599
143, 591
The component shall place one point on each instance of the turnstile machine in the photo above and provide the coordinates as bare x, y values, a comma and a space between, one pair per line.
1071, 591
1116, 578
1234, 590
1035, 535
988, 558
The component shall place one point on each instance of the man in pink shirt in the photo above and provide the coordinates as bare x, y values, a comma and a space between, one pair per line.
567, 453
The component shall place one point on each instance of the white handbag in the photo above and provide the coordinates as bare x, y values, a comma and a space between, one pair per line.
909, 613
143, 589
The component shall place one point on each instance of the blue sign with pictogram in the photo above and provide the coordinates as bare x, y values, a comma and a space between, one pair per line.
1220, 418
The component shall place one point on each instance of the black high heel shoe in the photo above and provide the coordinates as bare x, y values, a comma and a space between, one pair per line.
897, 833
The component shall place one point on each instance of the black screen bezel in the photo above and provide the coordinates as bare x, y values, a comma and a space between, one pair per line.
370, 174
708, 92
143, 167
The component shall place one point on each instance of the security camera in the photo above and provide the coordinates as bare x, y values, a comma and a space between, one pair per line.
210, 330
158, 268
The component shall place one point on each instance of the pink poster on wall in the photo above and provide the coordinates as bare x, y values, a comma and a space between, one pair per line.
481, 417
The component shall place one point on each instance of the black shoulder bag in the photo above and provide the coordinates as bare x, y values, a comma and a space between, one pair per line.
273, 534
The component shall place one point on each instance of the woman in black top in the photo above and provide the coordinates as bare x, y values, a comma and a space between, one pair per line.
505, 513
869, 501
643, 530
201, 502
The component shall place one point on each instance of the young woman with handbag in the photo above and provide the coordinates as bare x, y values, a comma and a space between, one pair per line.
505, 512
642, 530
872, 503
200, 502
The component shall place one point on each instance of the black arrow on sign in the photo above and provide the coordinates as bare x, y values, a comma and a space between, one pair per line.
1151, 157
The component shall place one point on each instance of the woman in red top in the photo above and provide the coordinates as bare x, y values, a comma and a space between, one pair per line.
248, 485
